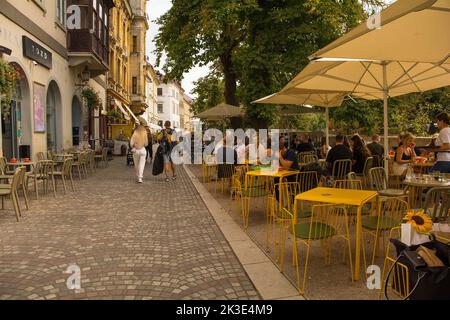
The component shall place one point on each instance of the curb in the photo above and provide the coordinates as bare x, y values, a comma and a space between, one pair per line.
265, 276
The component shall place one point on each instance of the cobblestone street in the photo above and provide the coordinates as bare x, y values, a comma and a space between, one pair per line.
151, 241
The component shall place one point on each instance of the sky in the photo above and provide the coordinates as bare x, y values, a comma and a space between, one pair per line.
156, 8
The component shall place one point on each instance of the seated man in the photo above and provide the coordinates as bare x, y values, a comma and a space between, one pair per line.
226, 159
304, 145
338, 152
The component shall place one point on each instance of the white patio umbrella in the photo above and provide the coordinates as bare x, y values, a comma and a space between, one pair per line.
397, 59
220, 112
326, 99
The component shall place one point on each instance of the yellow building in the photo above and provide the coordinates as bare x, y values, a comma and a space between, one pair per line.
138, 63
121, 18
186, 114
55, 59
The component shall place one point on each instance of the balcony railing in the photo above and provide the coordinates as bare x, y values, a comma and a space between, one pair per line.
93, 35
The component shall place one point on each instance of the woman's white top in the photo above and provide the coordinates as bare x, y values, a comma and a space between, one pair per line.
444, 137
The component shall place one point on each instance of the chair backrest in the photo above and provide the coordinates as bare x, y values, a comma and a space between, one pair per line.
49, 154
341, 168
302, 156
307, 180
328, 220
225, 170
105, 154
437, 203
391, 212
352, 176
368, 164
3, 165
377, 179
377, 161
310, 158
348, 184
40, 156
17, 178
44, 167
67, 166
286, 195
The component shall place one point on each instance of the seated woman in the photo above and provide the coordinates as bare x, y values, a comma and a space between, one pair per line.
360, 154
405, 155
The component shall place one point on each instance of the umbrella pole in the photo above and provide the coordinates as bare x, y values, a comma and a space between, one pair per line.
327, 123
386, 122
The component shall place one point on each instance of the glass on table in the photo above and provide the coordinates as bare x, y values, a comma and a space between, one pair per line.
435, 175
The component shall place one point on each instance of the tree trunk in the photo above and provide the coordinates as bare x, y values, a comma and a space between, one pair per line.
230, 86
230, 79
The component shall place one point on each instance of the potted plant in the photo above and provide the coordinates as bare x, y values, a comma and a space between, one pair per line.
9, 76
114, 116
91, 97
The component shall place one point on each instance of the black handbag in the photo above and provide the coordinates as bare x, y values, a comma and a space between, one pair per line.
425, 283
158, 163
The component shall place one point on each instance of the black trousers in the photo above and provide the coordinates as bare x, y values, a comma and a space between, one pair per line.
149, 149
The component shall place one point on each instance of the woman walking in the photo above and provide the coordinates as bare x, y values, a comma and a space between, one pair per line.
138, 143
165, 138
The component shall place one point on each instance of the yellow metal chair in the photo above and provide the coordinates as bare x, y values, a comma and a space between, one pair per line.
399, 283
254, 187
391, 211
326, 222
307, 180
277, 220
341, 168
348, 184
303, 156
224, 174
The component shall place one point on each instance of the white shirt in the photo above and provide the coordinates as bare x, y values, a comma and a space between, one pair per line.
444, 137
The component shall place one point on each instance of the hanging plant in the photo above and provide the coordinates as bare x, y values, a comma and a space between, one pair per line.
91, 98
114, 115
9, 77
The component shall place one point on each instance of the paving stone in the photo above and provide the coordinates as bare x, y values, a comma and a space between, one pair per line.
155, 240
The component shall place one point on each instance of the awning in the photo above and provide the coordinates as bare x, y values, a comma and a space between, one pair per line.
132, 114
125, 114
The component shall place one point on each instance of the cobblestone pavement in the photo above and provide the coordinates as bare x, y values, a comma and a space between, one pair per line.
151, 241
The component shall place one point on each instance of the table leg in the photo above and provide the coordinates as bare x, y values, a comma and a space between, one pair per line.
358, 243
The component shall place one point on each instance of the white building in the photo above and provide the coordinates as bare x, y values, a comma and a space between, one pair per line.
169, 95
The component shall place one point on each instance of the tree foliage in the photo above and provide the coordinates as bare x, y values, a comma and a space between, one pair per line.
257, 45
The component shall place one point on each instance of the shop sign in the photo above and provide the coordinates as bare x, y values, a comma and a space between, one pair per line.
36, 52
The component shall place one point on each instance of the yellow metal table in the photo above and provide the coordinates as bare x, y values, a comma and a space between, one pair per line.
356, 198
280, 174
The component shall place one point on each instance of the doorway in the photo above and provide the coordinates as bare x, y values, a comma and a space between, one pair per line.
53, 113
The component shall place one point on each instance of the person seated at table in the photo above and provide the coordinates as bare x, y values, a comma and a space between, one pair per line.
324, 148
405, 155
287, 156
226, 158
377, 151
360, 154
304, 145
339, 152
84, 144
442, 144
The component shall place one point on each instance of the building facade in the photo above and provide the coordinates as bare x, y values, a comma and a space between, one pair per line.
169, 94
57, 56
118, 93
138, 63
186, 115
151, 94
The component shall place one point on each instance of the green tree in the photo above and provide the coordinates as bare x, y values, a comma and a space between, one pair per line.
257, 45
199, 32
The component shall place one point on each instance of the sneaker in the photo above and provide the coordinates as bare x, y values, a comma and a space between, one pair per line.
167, 180
174, 178
140, 181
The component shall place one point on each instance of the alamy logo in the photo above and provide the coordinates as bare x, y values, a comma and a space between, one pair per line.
374, 280
73, 17
74, 280
374, 21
